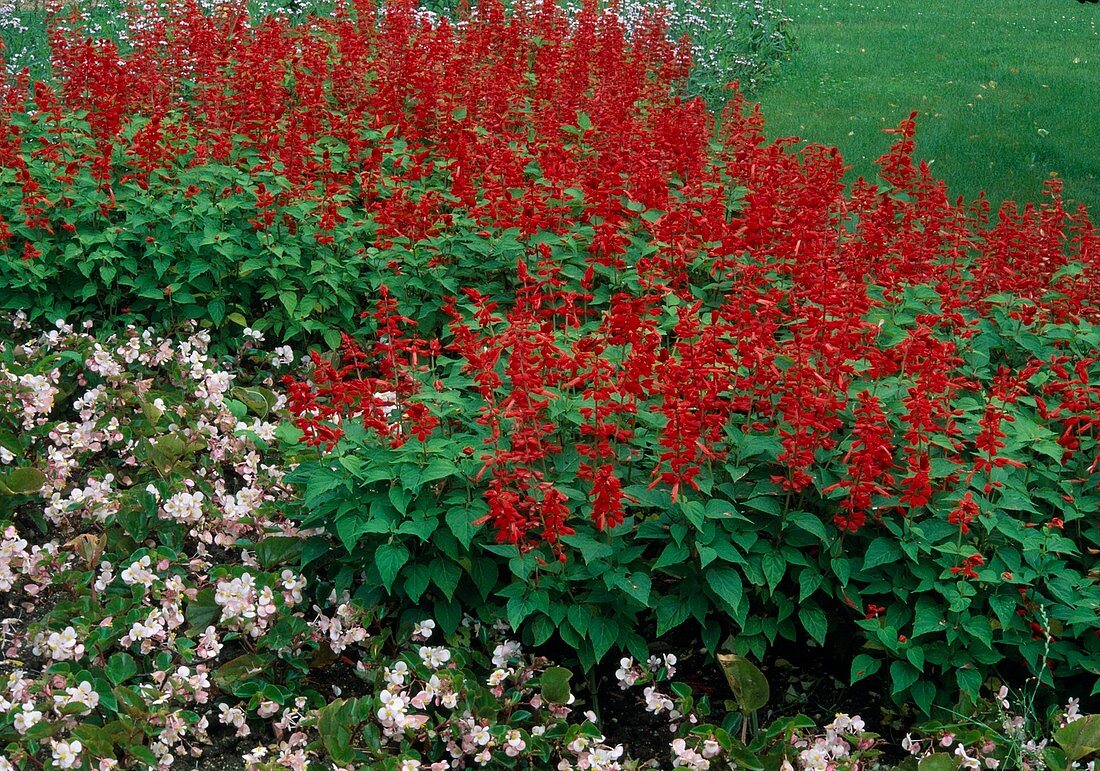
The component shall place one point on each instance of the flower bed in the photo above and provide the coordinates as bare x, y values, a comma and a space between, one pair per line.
584, 362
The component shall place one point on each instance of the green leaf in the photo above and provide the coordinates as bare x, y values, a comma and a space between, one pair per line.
969, 680
484, 573
673, 554
726, 583
864, 666
808, 522
1080, 738
842, 569
902, 675
22, 481
446, 575
928, 616
390, 558
416, 583
814, 621
603, 635
542, 629
672, 610
554, 685
120, 668
882, 551
940, 761
278, 550
461, 524
579, 618
774, 568
750, 687
923, 693
637, 585
808, 582
743, 756
237, 670
203, 610
518, 608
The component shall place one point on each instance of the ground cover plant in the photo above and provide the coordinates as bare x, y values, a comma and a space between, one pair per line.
588, 371
1004, 90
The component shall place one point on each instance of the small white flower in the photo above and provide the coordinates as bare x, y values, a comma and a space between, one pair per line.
27, 718
434, 657
67, 754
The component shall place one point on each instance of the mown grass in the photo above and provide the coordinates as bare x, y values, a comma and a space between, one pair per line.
1008, 91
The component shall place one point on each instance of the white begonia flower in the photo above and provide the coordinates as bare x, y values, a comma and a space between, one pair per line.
498, 677
139, 573
434, 657
67, 754
965, 761
184, 507
816, 758
505, 652
396, 674
423, 629
284, 355
392, 712
26, 718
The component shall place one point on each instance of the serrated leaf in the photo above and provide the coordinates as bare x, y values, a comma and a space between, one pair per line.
416, 583
726, 583
940, 761
774, 567
461, 525
808, 522
814, 621
603, 634
390, 558
882, 551
637, 585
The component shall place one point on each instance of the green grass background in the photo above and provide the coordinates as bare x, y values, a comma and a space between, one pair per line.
1008, 90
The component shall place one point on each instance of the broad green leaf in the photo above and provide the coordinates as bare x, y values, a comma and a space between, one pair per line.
864, 666
390, 558
750, 687
637, 585
882, 551
461, 524
23, 481
603, 634
416, 583
1080, 738
808, 522
239, 669
726, 583
554, 685
902, 675
940, 761
814, 621
774, 567
120, 668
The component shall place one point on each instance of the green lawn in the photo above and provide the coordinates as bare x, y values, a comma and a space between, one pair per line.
1008, 90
